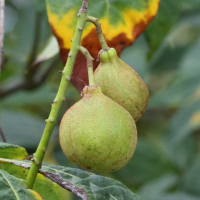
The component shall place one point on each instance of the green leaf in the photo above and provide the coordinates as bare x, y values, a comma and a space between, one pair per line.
135, 56
49, 50
12, 151
181, 154
190, 60
168, 14
82, 183
12, 188
21, 128
192, 4
191, 180
45, 187
183, 91
158, 187
148, 153
177, 196
185, 122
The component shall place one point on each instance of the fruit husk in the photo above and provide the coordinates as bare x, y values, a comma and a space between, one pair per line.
97, 134
121, 83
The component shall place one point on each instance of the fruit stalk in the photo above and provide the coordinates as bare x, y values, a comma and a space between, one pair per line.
99, 32
89, 59
52, 119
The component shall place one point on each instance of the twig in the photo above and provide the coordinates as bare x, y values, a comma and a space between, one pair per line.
59, 180
66, 184
99, 32
28, 82
36, 38
2, 135
2, 5
83, 7
52, 119
30, 71
23, 85
90, 59
13, 87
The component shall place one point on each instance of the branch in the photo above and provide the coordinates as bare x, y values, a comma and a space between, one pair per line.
28, 82
66, 184
99, 32
52, 119
24, 85
2, 5
83, 7
36, 38
13, 87
2, 135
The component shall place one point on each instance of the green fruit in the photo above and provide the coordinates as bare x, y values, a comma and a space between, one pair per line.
121, 83
98, 134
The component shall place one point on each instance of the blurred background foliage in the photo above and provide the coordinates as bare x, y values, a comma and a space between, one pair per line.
166, 164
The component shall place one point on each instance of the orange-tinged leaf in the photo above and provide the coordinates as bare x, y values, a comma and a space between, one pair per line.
122, 22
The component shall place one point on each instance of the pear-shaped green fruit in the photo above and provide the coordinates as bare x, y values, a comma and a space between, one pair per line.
121, 83
98, 134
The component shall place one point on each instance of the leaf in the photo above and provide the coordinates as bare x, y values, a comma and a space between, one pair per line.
149, 154
189, 91
185, 122
168, 14
191, 180
45, 187
49, 50
190, 61
84, 184
181, 154
177, 196
122, 22
21, 128
158, 187
192, 4
135, 56
12, 188
12, 151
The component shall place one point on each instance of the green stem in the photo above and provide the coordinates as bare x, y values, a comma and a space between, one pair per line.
90, 59
52, 120
99, 32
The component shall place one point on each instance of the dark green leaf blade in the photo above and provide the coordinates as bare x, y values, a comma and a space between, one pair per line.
12, 151
12, 188
45, 187
168, 13
97, 187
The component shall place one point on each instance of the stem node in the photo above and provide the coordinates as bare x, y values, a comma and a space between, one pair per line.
68, 78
